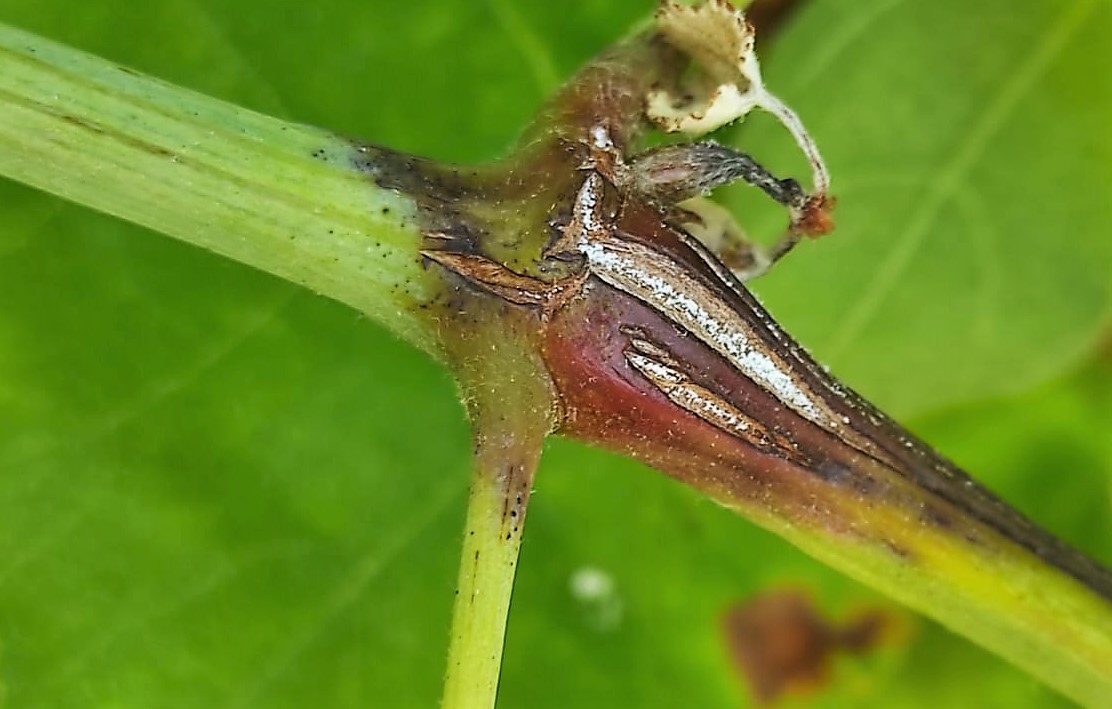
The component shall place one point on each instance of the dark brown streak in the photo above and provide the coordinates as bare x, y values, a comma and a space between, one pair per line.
492, 277
90, 126
513, 287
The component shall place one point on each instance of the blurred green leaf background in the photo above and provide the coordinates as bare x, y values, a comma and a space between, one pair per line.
218, 490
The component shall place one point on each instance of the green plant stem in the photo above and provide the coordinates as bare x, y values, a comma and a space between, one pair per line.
488, 564
282, 197
509, 400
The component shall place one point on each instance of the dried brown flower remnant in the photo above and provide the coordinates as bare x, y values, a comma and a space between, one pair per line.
781, 645
720, 42
714, 34
814, 219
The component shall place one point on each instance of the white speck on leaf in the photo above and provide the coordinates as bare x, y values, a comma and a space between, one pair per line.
597, 596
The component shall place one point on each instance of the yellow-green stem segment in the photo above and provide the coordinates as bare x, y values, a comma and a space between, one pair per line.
509, 400
488, 563
281, 197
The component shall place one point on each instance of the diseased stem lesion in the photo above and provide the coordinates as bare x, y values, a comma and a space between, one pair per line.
660, 353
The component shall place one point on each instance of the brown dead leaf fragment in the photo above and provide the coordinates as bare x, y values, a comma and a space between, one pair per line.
781, 645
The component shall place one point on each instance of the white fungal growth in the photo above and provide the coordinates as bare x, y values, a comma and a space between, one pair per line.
637, 270
600, 138
694, 398
588, 205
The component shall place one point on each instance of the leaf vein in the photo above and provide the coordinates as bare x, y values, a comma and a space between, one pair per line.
950, 178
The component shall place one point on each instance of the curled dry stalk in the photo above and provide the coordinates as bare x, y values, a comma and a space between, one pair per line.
567, 291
